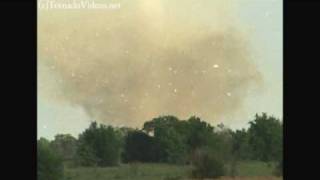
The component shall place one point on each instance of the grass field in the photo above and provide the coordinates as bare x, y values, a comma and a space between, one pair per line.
246, 171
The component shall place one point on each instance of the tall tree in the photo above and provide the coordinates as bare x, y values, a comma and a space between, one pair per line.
65, 145
265, 138
240, 145
49, 164
139, 146
99, 145
199, 133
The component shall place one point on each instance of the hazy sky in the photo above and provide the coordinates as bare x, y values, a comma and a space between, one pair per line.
220, 60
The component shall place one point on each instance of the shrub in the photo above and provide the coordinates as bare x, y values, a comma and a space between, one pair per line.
49, 165
208, 166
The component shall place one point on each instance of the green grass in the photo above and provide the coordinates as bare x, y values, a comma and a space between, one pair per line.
255, 168
149, 171
129, 171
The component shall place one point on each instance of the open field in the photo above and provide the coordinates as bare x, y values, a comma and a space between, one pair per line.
251, 178
246, 171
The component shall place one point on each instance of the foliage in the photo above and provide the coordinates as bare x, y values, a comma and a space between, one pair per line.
139, 146
65, 145
177, 139
49, 164
208, 165
240, 145
171, 146
198, 133
99, 146
160, 122
265, 138
167, 139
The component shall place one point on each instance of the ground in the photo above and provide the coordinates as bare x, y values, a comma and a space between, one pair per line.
137, 171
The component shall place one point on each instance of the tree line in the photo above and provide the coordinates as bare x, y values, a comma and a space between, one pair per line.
167, 139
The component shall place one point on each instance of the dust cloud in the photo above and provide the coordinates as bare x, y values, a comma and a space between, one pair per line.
146, 59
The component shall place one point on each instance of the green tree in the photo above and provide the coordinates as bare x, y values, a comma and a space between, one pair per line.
240, 145
139, 146
176, 140
169, 140
171, 137
171, 145
265, 138
198, 133
121, 134
99, 145
65, 145
49, 164
160, 122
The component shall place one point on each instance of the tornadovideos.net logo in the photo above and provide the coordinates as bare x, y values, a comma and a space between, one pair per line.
76, 4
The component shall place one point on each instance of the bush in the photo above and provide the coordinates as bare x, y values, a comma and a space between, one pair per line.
49, 165
208, 166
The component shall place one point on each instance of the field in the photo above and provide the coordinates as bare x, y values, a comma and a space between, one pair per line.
246, 171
